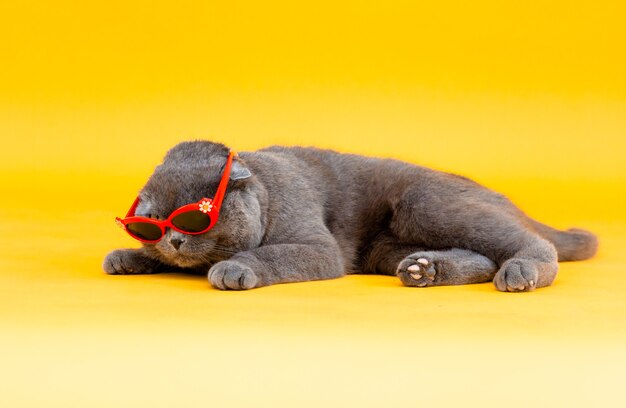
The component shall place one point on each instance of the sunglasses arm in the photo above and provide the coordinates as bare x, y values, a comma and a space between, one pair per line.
133, 208
221, 188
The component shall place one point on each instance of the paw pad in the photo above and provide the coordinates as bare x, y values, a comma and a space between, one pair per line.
416, 271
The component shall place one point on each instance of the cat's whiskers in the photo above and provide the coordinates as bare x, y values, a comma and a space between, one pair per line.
210, 258
224, 250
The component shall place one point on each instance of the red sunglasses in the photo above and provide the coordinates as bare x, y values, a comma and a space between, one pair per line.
191, 219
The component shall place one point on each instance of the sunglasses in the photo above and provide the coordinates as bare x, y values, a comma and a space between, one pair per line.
192, 219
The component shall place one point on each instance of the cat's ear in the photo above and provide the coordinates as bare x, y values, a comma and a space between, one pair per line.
238, 171
144, 209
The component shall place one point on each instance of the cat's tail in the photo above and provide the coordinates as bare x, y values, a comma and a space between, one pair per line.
571, 245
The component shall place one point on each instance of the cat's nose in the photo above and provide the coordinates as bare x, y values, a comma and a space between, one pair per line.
176, 242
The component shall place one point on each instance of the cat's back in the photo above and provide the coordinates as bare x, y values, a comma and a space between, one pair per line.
305, 171
307, 156
313, 161
346, 187
351, 173
325, 171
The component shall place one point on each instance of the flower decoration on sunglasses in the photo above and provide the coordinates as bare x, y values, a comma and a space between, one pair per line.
192, 219
205, 206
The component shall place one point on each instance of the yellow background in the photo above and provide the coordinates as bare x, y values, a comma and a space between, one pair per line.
528, 98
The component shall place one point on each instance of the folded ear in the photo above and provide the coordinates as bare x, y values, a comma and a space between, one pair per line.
238, 171
144, 208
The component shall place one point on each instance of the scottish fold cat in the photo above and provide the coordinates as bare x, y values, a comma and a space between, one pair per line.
293, 214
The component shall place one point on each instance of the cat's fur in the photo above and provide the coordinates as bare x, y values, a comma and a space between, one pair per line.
296, 214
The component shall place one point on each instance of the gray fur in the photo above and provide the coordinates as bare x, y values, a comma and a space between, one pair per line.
295, 214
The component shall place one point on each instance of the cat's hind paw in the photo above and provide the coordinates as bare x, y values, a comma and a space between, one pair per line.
417, 269
517, 275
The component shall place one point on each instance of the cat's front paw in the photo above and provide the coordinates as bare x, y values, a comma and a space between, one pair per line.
232, 275
418, 269
127, 261
517, 275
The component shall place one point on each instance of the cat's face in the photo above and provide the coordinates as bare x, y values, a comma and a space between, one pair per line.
185, 178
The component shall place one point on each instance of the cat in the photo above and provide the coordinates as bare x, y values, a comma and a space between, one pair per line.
294, 214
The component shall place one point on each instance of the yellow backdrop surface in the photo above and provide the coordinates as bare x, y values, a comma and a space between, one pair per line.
528, 98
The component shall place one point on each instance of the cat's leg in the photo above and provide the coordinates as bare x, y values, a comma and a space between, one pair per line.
420, 267
446, 267
281, 263
130, 261
469, 221
533, 265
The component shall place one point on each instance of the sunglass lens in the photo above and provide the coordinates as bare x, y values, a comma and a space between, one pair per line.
192, 221
144, 230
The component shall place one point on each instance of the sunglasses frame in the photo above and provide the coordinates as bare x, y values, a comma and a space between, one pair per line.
209, 206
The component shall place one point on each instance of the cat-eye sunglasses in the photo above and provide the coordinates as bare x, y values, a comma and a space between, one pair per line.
192, 219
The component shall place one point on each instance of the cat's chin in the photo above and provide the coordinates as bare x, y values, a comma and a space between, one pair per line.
187, 264
183, 261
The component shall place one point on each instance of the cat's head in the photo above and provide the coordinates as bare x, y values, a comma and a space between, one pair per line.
190, 172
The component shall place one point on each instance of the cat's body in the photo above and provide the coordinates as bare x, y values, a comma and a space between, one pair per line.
299, 214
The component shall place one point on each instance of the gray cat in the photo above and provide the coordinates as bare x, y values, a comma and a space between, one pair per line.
293, 214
